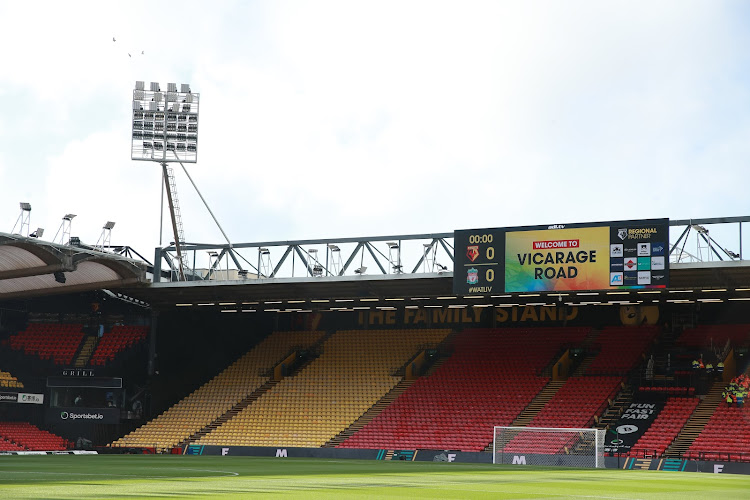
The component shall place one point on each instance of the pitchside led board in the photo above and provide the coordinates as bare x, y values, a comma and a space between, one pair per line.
591, 256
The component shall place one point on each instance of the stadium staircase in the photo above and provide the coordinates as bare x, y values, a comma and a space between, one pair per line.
587, 345
535, 406
85, 351
443, 349
218, 396
725, 437
231, 413
665, 427
616, 408
354, 371
539, 402
492, 375
696, 422
370, 414
251, 398
584, 364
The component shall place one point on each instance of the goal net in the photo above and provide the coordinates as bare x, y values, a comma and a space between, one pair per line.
548, 446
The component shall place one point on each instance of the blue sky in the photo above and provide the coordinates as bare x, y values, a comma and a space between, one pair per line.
335, 119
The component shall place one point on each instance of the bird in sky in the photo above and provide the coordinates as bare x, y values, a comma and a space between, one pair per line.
130, 54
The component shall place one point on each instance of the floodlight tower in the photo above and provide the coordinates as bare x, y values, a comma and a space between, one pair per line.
165, 130
67, 221
24, 219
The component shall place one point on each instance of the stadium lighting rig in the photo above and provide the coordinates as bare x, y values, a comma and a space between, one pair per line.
24, 219
165, 124
165, 130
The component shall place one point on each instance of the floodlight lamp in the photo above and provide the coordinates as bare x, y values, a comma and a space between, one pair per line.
75, 241
392, 244
213, 253
312, 250
26, 207
38, 233
333, 248
69, 217
264, 251
700, 229
361, 270
109, 225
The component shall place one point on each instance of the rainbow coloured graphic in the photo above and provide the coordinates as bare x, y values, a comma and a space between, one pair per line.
557, 260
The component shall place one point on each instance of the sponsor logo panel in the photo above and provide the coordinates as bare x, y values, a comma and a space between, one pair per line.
631, 264
630, 278
644, 263
30, 398
657, 263
644, 277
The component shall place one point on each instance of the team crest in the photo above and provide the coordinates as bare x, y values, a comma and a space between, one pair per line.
472, 252
472, 276
622, 233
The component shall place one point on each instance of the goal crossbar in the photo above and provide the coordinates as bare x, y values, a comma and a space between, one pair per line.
548, 446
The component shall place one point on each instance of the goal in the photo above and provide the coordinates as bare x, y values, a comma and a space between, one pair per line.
548, 446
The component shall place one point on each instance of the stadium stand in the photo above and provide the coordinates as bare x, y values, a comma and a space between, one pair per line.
574, 406
491, 376
57, 342
6, 445
8, 380
120, 338
219, 395
30, 437
621, 348
664, 429
726, 436
324, 398
703, 336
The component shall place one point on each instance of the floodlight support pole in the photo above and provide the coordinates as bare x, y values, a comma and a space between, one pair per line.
174, 221
206, 204
161, 208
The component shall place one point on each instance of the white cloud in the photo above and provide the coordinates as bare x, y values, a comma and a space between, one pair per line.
344, 119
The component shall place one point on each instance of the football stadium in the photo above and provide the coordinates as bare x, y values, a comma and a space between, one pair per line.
569, 359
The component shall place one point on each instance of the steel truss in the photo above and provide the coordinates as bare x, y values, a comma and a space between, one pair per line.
427, 253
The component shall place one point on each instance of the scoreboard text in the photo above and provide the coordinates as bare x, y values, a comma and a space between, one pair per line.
596, 256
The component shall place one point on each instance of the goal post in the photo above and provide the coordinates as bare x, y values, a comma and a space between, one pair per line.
548, 446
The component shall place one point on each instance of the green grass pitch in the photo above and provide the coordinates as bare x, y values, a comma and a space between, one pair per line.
176, 476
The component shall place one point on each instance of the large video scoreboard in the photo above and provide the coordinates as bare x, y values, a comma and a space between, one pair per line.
591, 256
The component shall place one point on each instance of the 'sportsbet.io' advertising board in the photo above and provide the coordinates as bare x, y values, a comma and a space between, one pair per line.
563, 257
